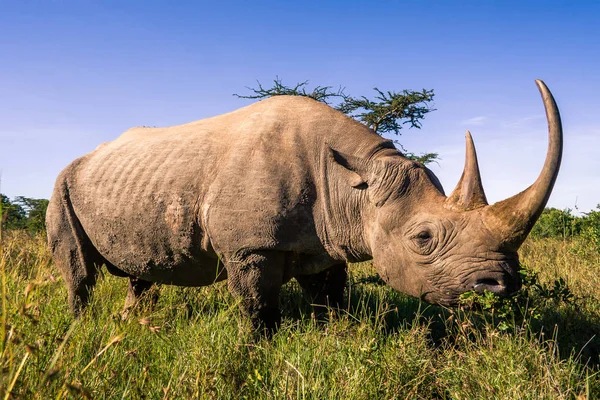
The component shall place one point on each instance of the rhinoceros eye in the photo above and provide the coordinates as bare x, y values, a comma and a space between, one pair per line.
422, 239
423, 235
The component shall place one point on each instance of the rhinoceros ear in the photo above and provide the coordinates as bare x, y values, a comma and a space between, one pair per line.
354, 168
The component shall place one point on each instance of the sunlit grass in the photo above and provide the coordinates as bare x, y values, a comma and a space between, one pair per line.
195, 344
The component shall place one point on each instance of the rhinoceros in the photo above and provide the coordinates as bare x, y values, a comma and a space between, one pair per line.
285, 188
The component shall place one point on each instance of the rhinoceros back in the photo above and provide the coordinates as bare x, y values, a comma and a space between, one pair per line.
163, 198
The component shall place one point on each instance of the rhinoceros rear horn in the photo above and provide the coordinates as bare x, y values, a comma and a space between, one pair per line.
512, 219
468, 194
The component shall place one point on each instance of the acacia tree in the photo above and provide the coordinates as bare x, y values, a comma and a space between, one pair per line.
36, 212
388, 112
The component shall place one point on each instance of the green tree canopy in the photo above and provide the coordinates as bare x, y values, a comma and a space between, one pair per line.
23, 213
13, 215
387, 112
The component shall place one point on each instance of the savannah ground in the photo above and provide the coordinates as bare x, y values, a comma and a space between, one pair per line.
195, 344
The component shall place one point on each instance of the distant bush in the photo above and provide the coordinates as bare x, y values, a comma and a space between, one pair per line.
590, 227
557, 224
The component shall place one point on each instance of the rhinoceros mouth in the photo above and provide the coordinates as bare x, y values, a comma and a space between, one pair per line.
503, 285
491, 285
499, 283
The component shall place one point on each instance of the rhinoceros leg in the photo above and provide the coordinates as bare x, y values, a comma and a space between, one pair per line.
135, 290
325, 289
75, 256
257, 278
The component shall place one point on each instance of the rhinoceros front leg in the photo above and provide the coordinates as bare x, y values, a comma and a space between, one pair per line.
135, 290
256, 279
325, 289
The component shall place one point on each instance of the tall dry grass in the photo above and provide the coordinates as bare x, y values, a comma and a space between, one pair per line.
194, 343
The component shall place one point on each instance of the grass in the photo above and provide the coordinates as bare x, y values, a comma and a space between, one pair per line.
195, 344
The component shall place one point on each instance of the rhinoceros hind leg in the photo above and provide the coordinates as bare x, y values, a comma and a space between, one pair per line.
325, 289
135, 290
257, 278
75, 256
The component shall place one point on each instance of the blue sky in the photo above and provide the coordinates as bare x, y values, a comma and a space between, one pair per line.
75, 74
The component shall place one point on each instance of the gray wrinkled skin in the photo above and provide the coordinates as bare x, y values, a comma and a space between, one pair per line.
284, 188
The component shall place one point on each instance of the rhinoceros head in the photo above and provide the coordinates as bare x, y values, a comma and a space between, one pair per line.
436, 247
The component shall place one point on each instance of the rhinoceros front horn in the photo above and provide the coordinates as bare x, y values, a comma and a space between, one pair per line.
512, 219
